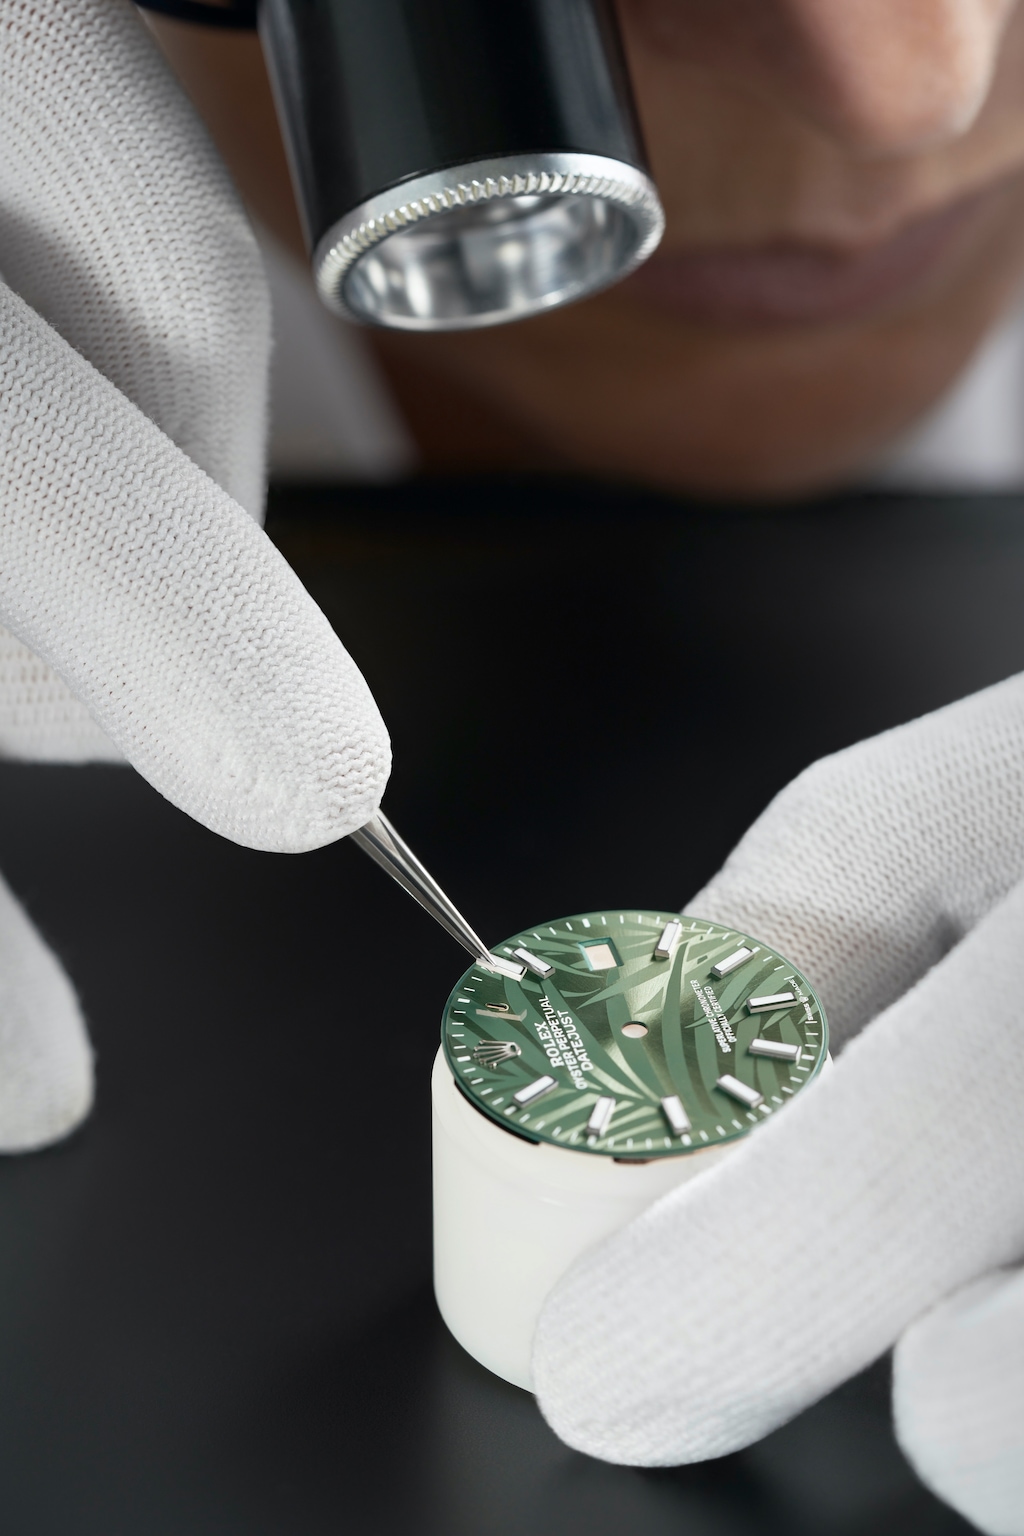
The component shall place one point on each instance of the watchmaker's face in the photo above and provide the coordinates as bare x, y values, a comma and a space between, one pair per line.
844, 184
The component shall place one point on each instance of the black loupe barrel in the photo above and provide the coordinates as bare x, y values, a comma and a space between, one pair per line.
460, 162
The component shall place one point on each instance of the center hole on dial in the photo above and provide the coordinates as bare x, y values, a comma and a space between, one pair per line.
634, 1030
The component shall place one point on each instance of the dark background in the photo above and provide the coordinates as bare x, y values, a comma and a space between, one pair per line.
215, 1307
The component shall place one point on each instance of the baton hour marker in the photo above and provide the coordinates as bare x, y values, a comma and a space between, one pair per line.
731, 962
670, 936
535, 1090
503, 967
600, 1118
675, 1114
534, 963
776, 1050
739, 1091
770, 1002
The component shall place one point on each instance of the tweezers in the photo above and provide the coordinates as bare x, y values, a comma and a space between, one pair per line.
387, 848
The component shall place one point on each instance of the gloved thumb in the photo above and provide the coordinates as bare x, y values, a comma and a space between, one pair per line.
169, 613
739, 1299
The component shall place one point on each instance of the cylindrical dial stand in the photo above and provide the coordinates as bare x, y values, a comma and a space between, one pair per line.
510, 1216
460, 162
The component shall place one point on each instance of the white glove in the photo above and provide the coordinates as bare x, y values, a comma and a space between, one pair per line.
148, 615
883, 1205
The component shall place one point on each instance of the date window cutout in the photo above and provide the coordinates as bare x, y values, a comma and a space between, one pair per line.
601, 955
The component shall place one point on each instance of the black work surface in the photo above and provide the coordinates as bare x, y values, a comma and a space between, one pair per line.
215, 1308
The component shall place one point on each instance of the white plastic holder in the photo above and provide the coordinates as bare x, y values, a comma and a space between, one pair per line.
511, 1216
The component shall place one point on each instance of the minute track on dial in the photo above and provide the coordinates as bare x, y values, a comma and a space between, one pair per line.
689, 994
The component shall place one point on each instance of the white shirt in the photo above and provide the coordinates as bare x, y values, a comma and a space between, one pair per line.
332, 417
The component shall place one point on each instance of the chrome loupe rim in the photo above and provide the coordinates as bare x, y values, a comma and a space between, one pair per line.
489, 242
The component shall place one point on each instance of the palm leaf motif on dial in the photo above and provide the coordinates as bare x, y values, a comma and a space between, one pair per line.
614, 1020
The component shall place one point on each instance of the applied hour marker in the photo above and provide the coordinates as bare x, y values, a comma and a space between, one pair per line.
730, 963
739, 1091
770, 1002
500, 1013
534, 963
675, 1114
670, 936
535, 1090
600, 1118
503, 967
777, 1050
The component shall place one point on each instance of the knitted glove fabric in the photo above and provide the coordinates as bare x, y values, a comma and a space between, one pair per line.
958, 1400
892, 873
169, 613
146, 615
133, 366
118, 224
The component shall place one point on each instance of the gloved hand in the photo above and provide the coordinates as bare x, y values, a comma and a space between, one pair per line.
147, 616
886, 1205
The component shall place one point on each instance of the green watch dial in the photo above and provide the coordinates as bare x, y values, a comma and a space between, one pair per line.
633, 1034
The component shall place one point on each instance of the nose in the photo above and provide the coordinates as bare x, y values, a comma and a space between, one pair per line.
882, 77
889, 76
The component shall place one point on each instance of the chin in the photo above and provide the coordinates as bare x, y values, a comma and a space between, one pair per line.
752, 413
792, 413
729, 436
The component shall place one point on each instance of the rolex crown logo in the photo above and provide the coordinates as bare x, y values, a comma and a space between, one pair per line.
491, 1053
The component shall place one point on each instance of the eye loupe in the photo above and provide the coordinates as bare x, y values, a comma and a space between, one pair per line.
457, 163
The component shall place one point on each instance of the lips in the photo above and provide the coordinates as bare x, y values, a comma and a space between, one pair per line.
790, 282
